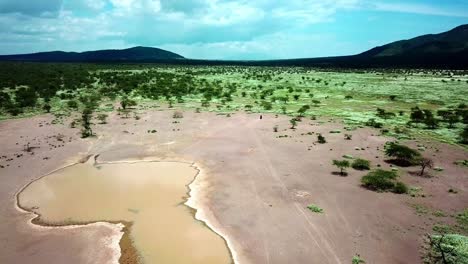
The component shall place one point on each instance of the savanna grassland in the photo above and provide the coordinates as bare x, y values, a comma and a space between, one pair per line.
402, 103
297, 165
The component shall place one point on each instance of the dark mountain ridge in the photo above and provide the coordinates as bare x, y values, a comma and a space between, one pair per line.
125, 55
445, 50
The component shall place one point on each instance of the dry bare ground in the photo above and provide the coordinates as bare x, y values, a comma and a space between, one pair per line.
256, 187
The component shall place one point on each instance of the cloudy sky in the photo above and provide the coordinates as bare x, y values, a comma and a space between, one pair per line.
222, 29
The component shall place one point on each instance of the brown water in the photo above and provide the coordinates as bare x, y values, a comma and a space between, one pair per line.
148, 194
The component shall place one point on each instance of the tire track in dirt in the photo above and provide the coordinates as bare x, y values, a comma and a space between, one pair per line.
273, 173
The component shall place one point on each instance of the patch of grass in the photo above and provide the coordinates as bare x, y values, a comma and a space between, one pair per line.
462, 220
357, 260
420, 209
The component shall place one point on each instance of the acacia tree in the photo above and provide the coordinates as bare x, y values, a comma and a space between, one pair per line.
402, 154
425, 163
342, 165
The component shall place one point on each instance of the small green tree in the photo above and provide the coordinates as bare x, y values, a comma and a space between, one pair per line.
342, 165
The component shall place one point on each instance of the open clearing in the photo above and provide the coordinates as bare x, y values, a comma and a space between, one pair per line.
254, 187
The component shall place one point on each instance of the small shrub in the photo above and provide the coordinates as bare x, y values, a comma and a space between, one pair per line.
357, 260
314, 208
321, 139
177, 114
361, 164
275, 129
400, 188
102, 118
379, 180
348, 136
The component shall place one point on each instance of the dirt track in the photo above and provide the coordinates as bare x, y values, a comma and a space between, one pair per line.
257, 188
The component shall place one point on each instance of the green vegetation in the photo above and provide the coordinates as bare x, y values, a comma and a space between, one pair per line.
342, 165
447, 249
361, 164
357, 260
314, 208
406, 103
383, 180
462, 220
403, 155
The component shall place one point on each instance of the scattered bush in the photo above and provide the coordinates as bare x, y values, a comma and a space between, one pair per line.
361, 164
321, 139
400, 188
381, 180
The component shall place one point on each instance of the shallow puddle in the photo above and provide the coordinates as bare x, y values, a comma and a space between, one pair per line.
150, 195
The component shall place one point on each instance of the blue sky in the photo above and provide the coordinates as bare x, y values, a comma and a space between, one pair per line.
221, 29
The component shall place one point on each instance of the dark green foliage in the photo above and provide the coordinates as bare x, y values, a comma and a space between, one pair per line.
26, 97
384, 114
361, 164
464, 135
47, 108
72, 104
448, 116
403, 155
321, 139
417, 115
381, 180
303, 109
86, 116
372, 123
267, 105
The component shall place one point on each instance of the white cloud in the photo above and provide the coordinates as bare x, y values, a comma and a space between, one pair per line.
416, 8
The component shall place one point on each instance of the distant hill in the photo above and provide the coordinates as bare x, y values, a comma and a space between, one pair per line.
450, 42
444, 50
136, 54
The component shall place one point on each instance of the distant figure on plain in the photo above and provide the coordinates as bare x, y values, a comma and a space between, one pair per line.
261, 117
